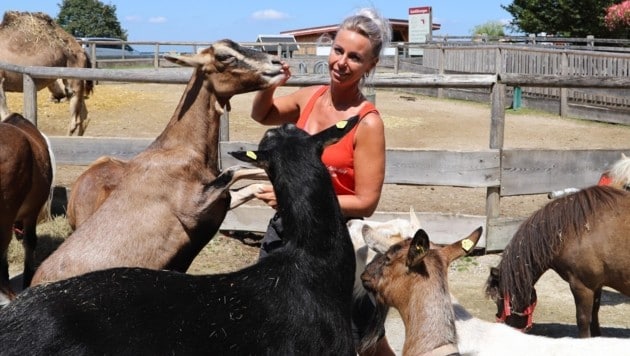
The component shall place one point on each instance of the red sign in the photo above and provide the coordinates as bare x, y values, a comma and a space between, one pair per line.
419, 10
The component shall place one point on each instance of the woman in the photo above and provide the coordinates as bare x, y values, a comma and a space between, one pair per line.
357, 162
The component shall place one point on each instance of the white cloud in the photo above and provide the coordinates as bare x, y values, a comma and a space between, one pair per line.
157, 19
133, 18
269, 14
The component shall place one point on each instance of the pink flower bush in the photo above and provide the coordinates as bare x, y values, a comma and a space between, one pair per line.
618, 16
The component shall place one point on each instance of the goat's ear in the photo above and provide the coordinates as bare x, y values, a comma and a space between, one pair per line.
335, 132
196, 60
462, 247
418, 249
413, 219
375, 240
257, 158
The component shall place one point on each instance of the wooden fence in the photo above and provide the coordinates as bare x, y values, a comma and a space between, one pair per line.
502, 172
614, 105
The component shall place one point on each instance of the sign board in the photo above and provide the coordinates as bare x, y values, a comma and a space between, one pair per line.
420, 25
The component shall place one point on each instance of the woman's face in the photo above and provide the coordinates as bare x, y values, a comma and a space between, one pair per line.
350, 57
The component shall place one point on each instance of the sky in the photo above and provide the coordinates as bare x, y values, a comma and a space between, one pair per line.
243, 21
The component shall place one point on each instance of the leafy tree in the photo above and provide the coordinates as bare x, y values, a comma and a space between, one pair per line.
490, 28
568, 18
90, 18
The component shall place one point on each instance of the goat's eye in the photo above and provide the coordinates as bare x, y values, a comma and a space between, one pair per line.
226, 58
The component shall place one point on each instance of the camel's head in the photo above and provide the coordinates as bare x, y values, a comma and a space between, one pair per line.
231, 69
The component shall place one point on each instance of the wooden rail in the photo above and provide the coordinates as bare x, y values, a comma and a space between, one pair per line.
500, 171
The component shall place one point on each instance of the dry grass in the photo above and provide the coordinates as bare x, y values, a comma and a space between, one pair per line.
50, 235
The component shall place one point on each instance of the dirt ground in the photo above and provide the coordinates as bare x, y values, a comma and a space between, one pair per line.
142, 110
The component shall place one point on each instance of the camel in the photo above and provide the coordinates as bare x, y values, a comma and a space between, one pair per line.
35, 39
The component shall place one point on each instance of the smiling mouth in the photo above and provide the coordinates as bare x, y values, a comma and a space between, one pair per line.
273, 74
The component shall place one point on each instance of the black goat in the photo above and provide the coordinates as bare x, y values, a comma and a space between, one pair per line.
295, 301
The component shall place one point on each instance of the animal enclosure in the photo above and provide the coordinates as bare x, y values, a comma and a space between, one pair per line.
503, 172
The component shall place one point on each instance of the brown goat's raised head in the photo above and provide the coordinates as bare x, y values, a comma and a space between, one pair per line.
412, 258
232, 69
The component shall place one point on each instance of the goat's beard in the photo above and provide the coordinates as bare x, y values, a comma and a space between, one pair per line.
374, 328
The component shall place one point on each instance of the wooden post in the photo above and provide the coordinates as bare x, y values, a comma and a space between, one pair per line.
497, 128
156, 56
93, 54
441, 59
224, 126
564, 92
30, 98
224, 133
396, 59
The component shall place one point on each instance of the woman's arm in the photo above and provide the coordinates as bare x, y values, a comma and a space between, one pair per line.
369, 168
268, 110
369, 171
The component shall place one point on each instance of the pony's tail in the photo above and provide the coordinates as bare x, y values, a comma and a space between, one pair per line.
45, 214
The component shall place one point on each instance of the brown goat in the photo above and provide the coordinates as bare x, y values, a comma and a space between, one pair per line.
166, 207
413, 278
97, 182
92, 187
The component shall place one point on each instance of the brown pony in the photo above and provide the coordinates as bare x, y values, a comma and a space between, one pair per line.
584, 238
26, 178
35, 39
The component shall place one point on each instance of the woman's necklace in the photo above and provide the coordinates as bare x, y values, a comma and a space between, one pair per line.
343, 105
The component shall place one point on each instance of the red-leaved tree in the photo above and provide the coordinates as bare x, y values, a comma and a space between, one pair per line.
618, 16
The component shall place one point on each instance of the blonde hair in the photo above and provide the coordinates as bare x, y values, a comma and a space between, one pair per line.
371, 24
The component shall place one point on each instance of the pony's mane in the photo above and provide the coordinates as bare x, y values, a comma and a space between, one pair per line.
539, 238
620, 171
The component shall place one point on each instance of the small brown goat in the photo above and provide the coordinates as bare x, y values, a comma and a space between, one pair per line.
412, 277
166, 208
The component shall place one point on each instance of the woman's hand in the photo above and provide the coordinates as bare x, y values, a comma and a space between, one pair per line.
267, 196
287, 73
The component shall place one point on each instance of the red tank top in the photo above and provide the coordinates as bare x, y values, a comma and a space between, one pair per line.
339, 157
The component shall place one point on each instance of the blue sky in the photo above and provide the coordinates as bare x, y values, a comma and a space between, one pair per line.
243, 21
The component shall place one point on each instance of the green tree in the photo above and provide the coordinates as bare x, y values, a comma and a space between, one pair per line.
490, 28
568, 18
90, 18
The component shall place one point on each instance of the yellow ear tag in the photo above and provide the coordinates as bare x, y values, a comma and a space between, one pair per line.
467, 245
342, 124
252, 155
420, 249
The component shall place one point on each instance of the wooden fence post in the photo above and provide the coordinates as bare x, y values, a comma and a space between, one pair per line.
224, 134
30, 98
441, 64
397, 59
156, 56
497, 128
564, 92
